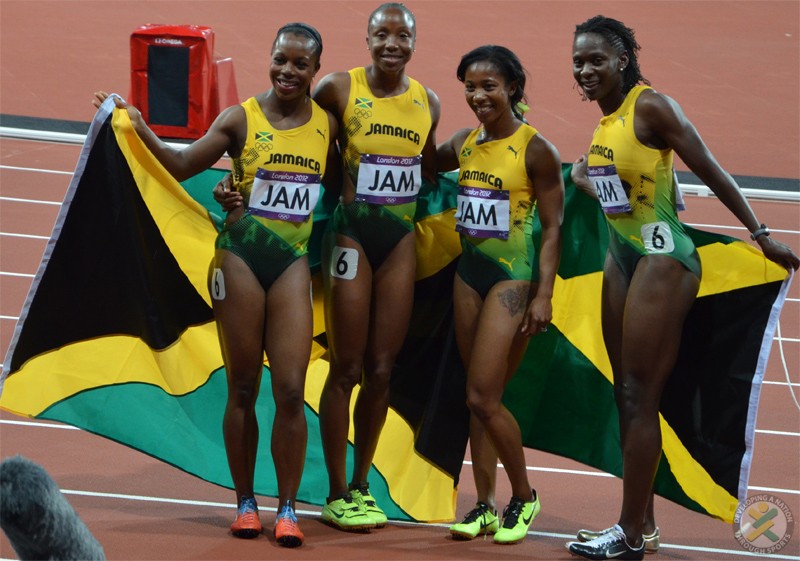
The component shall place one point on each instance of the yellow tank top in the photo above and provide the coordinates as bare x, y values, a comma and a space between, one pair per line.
495, 193
279, 172
496, 198
634, 183
383, 140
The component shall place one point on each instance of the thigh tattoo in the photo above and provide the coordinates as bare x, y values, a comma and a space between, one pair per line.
514, 299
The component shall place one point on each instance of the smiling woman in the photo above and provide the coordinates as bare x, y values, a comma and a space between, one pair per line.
652, 270
501, 298
387, 123
260, 277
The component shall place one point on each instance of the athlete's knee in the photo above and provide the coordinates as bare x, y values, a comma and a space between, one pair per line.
242, 393
345, 375
635, 399
376, 378
481, 405
289, 400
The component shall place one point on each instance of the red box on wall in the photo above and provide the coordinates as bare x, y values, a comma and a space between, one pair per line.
173, 78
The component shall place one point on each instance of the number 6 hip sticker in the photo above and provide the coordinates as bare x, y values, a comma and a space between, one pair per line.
344, 264
218, 285
657, 237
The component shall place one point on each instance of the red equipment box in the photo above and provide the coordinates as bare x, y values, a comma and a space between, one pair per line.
174, 79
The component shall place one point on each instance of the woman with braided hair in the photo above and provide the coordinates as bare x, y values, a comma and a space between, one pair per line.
652, 270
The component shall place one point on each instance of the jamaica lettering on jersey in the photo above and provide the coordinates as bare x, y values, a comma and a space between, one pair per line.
378, 128
603, 151
481, 177
295, 160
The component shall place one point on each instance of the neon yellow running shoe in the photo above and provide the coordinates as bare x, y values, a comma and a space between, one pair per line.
364, 499
480, 520
517, 518
344, 513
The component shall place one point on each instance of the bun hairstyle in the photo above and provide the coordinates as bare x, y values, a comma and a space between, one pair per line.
508, 64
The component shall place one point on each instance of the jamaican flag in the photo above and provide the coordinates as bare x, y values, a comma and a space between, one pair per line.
117, 337
563, 397
118, 326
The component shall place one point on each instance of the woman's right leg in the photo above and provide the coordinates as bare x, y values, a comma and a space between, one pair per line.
347, 279
615, 294
467, 308
659, 298
483, 518
239, 313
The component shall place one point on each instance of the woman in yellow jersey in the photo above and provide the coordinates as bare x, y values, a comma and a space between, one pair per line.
652, 271
503, 285
386, 138
280, 145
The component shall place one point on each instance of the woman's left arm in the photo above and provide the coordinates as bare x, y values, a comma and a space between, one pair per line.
544, 169
660, 123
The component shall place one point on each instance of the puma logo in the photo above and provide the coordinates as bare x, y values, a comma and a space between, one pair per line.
322, 134
516, 152
509, 264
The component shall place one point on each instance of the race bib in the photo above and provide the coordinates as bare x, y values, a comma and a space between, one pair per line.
610, 191
218, 285
344, 263
657, 237
282, 195
388, 180
483, 213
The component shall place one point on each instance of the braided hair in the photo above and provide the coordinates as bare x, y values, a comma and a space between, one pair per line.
507, 63
623, 40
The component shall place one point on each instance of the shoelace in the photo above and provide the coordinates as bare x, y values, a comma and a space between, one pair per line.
287, 513
481, 510
248, 506
611, 536
512, 512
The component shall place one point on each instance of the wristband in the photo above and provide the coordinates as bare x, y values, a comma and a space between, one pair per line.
762, 231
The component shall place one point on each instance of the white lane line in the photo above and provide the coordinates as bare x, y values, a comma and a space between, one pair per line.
30, 201
316, 514
8, 274
773, 490
737, 227
777, 432
30, 236
37, 170
33, 424
771, 383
